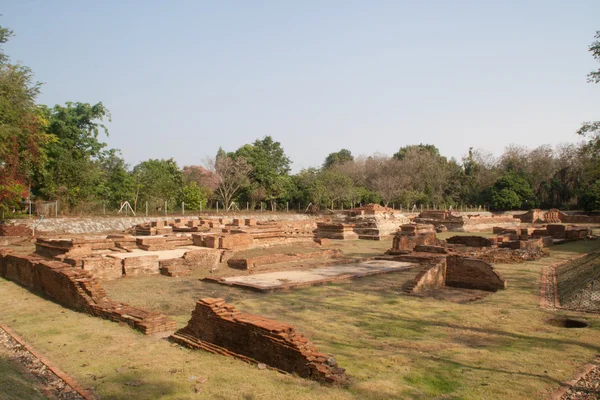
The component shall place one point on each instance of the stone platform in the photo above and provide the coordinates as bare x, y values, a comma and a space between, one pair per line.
292, 279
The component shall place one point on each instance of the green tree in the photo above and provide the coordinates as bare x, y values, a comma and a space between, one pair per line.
425, 148
22, 129
117, 183
339, 157
193, 197
157, 181
270, 167
73, 172
511, 191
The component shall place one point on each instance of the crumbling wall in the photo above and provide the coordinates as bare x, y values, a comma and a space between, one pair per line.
77, 289
431, 276
472, 241
470, 273
219, 328
252, 262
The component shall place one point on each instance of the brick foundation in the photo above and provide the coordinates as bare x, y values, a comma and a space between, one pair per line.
77, 289
219, 328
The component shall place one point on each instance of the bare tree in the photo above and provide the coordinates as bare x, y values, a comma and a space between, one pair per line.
385, 176
228, 176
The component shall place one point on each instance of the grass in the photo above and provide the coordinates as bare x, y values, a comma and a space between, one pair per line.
393, 346
15, 382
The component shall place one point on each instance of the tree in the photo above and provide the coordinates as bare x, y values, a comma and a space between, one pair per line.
22, 129
117, 183
193, 197
229, 175
512, 191
385, 176
73, 171
340, 157
425, 148
593, 128
157, 181
270, 167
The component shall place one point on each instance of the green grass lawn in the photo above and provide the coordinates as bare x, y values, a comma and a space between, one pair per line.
392, 345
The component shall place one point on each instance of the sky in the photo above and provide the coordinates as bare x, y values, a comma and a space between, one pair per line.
182, 78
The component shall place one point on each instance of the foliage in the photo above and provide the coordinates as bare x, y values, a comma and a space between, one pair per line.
421, 148
73, 172
339, 157
22, 129
590, 197
117, 183
511, 191
270, 167
229, 175
193, 197
157, 181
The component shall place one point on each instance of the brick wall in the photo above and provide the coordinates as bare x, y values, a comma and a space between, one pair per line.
470, 273
77, 289
218, 327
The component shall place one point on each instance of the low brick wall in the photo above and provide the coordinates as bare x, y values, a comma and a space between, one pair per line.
77, 289
470, 273
431, 276
252, 262
219, 328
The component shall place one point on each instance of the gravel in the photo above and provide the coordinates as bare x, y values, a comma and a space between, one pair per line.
54, 387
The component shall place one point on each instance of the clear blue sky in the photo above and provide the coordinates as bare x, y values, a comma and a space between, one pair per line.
182, 78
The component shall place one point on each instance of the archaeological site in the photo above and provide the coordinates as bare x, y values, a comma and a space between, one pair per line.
336, 299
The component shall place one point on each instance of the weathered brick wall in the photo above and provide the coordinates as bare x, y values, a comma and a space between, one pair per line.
472, 241
219, 328
252, 262
77, 289
431, 276
470, 273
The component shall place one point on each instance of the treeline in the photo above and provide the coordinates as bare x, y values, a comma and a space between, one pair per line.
55, 154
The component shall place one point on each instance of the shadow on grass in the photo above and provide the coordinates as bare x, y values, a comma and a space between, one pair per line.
16, 384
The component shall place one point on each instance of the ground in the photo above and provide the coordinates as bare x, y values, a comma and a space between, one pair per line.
392, 345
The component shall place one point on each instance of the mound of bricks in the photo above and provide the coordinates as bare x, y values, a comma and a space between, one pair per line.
253, 262
473, 241
77, 289
219, 328
153, 228
411, 235
15, 230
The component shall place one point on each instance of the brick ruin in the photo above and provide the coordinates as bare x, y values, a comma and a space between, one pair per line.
411, 235
335, 230
78, 290
555, 216
115, 256
219, 328
256, 261
371, 222
466, 223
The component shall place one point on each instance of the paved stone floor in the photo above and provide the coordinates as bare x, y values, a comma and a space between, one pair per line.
306, 277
